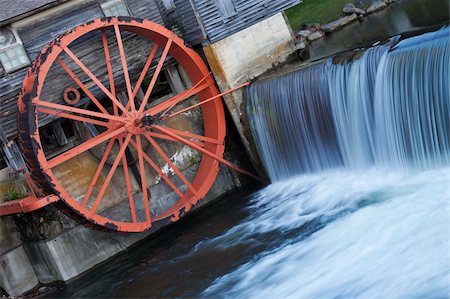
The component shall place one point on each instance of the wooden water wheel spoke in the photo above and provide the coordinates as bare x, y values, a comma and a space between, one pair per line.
41, 103
116, 112
156, 74
173, 101
145, 198
160, 151
85, 176
94, 79
205, 101
85, 146
128, 184
81, 85
159, 171
194, 136
109, 68
126, 74
165, 137
150, 58
73, 117
206, 152
187, 93
105, 185
98, 172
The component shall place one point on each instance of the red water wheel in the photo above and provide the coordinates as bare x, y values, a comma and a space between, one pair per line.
128, 168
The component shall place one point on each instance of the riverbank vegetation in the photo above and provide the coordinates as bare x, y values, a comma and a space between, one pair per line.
317, 11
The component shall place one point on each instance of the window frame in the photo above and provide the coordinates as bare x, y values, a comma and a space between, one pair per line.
111, 3
17, 43
167, 8
3, 159
222, 12
63, 141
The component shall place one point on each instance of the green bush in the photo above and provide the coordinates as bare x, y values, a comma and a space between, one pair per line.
12, 194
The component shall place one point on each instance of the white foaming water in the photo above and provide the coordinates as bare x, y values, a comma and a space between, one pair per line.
379, 235
359, 152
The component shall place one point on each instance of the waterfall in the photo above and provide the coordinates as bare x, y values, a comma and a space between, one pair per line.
388, 108
358, 150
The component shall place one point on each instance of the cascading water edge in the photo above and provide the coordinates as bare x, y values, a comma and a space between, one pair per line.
359, 155
387, 108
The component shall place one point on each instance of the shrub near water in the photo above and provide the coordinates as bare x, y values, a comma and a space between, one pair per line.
13, 194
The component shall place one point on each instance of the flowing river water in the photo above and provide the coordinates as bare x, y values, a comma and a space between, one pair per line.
358, 151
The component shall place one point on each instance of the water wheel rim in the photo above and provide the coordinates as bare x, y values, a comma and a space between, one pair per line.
213, 117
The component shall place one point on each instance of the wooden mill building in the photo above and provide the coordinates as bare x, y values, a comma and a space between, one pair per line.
27, 26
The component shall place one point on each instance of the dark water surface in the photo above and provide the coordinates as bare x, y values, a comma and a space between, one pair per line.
397, 18
169, 265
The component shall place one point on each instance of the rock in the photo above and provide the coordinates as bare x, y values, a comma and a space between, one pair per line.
350, 8
314, 26
349, 5
315, 36
360, 11
303, 33
339, 23
300, 45
376, 6
389, 1
349, 11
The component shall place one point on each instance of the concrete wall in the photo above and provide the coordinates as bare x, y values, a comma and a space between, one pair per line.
218, 25
245, 55
16, 272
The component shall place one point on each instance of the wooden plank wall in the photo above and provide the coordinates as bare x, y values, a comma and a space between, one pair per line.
183, 21
249, 12
36, 32
145, 9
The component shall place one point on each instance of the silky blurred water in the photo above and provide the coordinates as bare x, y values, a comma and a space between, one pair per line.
351, 235
388, 106
359, 153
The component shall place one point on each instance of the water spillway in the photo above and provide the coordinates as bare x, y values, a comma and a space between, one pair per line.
359, 155
388, 107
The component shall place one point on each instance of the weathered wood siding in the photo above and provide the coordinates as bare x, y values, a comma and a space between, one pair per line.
248, 12
145, 9
37, 31
183, 20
